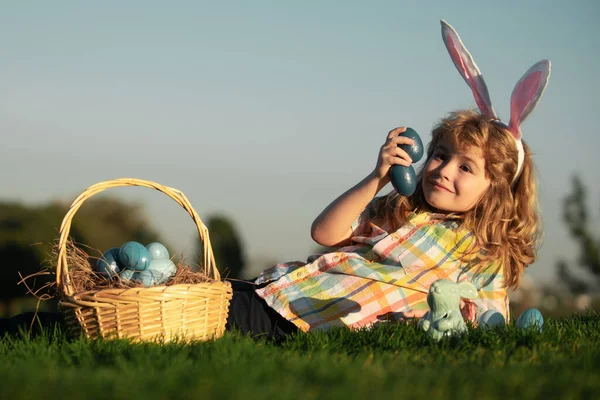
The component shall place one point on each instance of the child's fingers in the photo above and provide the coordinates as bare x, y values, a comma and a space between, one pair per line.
402, 157
398, 140
394, 155
396, 131
394, 150
395, 138
390, 154
399, 161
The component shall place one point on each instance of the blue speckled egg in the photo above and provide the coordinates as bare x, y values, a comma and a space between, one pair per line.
491, 319
532, 317
109, 265
147, 277
134, 255
416, 150
404, 179
163, 270
126, 274
158, 251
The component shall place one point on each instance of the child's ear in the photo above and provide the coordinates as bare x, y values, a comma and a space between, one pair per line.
467, 290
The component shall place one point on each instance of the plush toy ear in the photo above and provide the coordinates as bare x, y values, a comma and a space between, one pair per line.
527, 94
467, 290
468, 69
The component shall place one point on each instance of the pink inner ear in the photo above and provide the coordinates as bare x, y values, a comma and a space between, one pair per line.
457, 58
523, 96
471, 80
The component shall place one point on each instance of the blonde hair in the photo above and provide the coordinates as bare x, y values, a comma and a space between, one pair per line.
505, 220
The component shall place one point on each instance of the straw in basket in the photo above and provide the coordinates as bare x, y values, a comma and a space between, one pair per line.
180, 311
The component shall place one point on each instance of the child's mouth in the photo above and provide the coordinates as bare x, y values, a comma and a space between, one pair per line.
440, 187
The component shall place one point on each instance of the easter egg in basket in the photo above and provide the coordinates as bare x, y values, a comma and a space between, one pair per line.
135, 256
162, 270
147, 277
126, 274
109, 265
158, 251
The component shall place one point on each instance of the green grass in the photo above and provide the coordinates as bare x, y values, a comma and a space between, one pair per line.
390, 361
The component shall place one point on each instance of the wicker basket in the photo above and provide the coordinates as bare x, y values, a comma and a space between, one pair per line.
180, 311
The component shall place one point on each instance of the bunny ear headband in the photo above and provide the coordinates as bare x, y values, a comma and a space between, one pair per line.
525, 95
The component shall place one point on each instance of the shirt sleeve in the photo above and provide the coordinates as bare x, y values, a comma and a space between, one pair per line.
361, 225
488, 279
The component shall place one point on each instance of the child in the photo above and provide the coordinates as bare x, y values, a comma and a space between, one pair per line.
474, 217
464, 222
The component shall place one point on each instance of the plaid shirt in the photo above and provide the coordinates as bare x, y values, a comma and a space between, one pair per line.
382, 275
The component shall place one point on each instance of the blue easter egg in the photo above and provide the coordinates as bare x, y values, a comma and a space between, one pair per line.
126, 274
163, 270
158, 251
491, 319
532, 317
403, 179
109, 265
134, 255
146, 277
416, 150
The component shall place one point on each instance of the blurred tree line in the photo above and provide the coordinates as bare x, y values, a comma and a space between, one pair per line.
227, 246
29, 234
579, 223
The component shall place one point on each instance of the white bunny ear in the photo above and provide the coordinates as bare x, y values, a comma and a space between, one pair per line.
527, 94
468, 69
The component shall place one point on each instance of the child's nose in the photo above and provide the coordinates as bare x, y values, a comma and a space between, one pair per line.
445, 170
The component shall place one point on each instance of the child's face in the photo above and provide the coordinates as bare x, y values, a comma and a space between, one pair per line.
454, 180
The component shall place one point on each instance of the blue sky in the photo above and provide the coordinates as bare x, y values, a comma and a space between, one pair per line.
267, 110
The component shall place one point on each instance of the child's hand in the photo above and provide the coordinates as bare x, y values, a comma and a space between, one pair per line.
391, 154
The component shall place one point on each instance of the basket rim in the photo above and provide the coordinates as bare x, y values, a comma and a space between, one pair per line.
118, 296
63, 279
157, 288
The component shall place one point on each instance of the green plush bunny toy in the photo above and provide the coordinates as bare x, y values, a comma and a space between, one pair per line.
444, 317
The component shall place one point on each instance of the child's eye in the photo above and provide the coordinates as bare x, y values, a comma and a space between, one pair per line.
466, 168
439, 155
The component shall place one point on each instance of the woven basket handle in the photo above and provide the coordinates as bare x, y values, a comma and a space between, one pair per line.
63, 280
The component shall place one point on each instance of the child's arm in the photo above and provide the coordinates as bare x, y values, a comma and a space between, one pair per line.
333, 227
